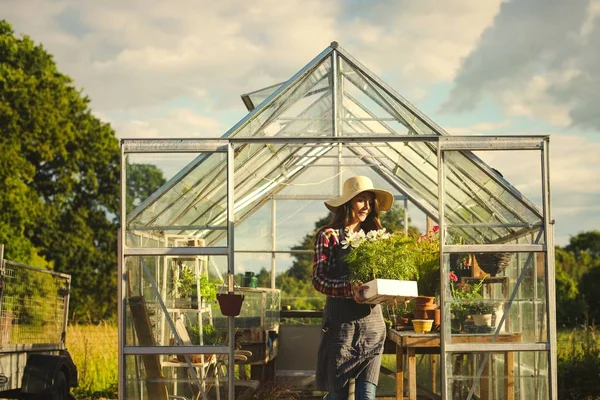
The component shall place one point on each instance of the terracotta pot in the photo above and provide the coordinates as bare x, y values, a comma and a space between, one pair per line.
403, 322
424, 307
230, 303
436, 318
424, 300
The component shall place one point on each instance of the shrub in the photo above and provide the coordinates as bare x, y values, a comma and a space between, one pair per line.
579, 366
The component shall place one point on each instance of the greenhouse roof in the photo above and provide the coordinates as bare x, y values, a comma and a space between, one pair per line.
334, 95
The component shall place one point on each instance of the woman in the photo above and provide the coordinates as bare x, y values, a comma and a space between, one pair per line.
353, 331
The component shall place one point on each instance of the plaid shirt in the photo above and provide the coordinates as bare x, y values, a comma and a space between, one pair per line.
326, 259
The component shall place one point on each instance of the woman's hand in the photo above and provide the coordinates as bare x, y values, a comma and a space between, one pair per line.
358, 291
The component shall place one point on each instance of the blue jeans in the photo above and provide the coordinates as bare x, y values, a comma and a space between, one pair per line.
363, 390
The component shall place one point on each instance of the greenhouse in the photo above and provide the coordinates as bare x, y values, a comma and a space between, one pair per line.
209, 261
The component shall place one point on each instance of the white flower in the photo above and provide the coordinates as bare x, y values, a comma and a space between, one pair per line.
354, 239
373, 235
383, 234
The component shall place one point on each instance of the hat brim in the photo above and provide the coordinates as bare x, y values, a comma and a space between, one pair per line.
384, 198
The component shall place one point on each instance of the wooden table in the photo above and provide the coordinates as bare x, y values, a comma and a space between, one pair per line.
410, 343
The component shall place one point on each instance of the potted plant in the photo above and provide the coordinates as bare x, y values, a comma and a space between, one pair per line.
186, 287
426, 250
427, 253
481, 312
463, 294
385, 262
380, 255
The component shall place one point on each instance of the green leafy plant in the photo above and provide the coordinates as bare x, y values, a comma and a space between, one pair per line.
464, 294
186, 285
210, 335
208, 289
427, 254
479, 308
380, 255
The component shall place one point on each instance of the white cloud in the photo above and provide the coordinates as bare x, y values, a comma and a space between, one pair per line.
143, 53
176, 123
538, 59
574, 183
478, 129
417, 41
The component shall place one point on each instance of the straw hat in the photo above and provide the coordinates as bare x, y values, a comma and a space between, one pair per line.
359, 184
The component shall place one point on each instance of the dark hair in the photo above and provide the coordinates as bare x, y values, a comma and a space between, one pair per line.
344, 215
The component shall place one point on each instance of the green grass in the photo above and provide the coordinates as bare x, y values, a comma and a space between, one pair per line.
94, 350
579, 363
95, 353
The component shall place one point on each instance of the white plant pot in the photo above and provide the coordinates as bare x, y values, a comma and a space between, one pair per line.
482, 319
381, 290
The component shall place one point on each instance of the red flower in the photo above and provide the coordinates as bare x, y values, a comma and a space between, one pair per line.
453, 277
436, 228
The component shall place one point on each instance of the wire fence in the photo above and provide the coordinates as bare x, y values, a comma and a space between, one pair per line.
33, 304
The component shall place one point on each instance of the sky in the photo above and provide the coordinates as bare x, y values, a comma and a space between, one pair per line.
155, 68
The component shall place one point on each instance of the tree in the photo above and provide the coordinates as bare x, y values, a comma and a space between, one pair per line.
59, 173
142, 181
585, 242
570, 307
301, 268
589, 290
393, 220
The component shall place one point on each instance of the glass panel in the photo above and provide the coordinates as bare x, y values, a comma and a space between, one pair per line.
393, 115
187, 208
483, 284
260, 95
267, 123
167, 376
296, 222
256, 265
514, 375
186, 287
254, 233
480, 200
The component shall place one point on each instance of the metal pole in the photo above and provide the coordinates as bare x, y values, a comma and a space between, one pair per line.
550, 272
121, 280
273, 240
335, 114
230, 265
443, 279
405, 215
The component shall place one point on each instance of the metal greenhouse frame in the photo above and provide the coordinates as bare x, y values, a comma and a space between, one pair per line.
333, 118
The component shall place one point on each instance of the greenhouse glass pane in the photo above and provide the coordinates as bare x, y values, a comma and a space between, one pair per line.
484, 283
506, 200
188, 192
254, 232
295, 222
157, 282
518, 375
368, 93
141, 382
269, 117
260, 95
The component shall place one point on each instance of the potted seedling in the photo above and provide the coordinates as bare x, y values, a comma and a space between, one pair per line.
481, 312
